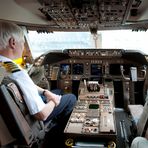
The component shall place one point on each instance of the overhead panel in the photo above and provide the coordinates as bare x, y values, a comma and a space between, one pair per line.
86, 14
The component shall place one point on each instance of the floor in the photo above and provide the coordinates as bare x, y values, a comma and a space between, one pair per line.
122, 116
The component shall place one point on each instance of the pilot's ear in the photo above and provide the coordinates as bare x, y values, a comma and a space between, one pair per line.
12, 43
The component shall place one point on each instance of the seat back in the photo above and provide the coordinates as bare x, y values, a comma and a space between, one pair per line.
15, 121
5, 135
21, 125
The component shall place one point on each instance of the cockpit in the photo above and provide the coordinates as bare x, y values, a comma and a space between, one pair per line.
94, 49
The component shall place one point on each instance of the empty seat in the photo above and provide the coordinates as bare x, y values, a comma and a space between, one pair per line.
139, 115
142, 124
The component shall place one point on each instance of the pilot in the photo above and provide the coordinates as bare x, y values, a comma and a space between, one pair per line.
139, 142
55, 106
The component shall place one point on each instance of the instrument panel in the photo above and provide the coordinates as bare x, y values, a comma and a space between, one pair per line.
91, 64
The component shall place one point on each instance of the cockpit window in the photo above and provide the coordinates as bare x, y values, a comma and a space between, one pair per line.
117, 39
44, 42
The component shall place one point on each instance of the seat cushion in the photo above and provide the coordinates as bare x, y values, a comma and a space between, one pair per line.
135, 111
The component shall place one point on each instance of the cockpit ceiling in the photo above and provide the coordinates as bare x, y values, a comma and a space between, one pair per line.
85, 15
92, 14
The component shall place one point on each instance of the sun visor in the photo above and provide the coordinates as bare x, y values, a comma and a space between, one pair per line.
54, 57
135, 56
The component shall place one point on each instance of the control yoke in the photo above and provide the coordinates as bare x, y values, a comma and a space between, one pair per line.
144, 71
133, 75
122, 72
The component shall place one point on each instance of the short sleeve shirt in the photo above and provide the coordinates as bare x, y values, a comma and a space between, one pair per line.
30, 93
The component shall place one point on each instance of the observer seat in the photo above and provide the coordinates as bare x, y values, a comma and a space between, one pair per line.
139, 114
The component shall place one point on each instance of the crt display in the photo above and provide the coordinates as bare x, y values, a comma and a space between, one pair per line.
96, 69
77, 68
93, 106
65, 69
114, 69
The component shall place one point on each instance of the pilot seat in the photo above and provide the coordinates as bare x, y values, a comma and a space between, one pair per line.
17, 127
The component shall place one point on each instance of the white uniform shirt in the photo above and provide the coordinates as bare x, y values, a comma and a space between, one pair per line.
30, 93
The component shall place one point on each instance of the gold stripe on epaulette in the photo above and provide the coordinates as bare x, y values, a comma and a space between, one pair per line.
11, 67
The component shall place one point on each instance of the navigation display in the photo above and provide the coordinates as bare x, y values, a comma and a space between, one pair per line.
77, 69
65, 69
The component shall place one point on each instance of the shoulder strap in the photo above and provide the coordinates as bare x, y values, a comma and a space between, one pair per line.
16, 93
14, 119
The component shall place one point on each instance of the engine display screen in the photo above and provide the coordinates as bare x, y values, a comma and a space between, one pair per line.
96, 69
77, 68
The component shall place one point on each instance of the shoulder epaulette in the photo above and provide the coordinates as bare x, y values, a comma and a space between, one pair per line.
11, 67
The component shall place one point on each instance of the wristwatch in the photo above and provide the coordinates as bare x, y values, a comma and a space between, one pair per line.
43, 93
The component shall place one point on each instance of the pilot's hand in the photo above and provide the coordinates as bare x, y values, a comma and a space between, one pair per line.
51, 96
56, 99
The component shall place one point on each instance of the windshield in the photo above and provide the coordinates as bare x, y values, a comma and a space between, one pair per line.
117, 39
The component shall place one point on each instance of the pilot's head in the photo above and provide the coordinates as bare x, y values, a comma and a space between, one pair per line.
11, 40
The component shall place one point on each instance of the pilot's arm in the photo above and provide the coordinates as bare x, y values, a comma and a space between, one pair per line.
52, 101
49, 95
45, 112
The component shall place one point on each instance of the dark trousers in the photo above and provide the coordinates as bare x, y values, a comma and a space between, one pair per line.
60, 116
62, 112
